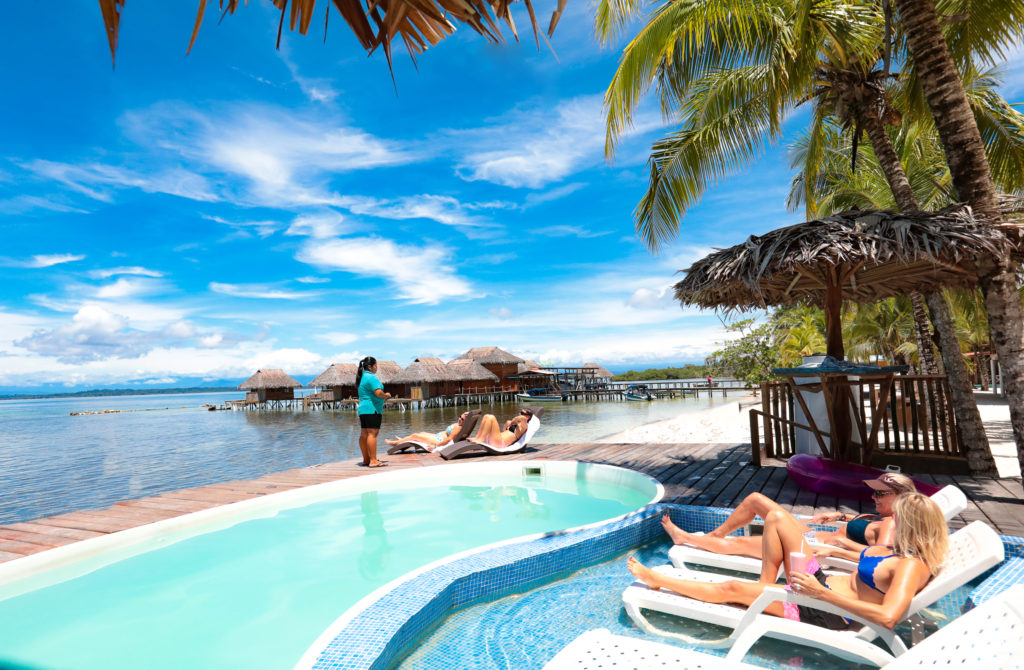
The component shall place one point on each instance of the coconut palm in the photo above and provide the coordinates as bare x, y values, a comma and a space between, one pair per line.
419, 23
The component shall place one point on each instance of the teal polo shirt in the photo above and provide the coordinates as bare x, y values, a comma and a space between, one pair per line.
369, 403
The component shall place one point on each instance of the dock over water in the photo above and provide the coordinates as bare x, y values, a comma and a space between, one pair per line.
714, 475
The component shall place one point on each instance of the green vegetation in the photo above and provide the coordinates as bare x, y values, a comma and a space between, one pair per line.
655, 374
99, 393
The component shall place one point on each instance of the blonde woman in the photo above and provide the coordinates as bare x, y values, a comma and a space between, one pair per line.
880, 590
434, 440
860, 530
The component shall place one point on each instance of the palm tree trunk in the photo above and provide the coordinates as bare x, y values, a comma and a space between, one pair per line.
968, 166
965, 406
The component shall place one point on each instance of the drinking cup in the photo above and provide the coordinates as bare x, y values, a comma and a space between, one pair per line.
797, 561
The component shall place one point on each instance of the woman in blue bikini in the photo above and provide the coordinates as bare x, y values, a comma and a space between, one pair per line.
886, 579
452, 433
860, 530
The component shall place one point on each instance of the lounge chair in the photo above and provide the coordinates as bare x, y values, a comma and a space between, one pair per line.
468, 426
950, 500
972, 550
986, 637
450, 451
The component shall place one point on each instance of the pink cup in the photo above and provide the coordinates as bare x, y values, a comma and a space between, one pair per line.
798, 561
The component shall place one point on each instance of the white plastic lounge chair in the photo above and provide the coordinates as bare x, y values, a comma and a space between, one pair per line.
468, 426
450, 451
986, 637
972, 550
950, 500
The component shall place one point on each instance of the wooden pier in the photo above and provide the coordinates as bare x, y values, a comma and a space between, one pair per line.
693, 474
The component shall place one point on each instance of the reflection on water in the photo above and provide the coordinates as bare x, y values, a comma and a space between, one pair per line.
375, 548
51, 462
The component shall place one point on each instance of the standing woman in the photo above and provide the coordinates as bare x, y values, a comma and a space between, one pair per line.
371, 406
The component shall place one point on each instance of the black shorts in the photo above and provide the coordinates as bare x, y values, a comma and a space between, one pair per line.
369, 421
819, 618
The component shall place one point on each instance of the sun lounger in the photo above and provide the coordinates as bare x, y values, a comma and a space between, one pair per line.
468, 426
972, 550
450, 451
986, 637
950, 499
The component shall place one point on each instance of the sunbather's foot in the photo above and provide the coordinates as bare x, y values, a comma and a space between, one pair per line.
377, 464
392, 442
678, 535
643, 573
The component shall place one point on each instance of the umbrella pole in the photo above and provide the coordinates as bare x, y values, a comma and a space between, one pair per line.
839, 400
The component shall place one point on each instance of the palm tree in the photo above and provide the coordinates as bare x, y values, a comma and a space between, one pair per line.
419, 23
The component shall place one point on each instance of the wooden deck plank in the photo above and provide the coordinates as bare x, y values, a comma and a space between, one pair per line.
706, 474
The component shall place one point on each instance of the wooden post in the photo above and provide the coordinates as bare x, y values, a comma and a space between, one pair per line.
755, 442
766, 411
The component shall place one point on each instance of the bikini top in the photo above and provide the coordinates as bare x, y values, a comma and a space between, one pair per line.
868, 565
856, 530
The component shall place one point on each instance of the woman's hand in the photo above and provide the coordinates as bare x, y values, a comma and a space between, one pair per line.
806, 584
827, 517
822, 551
387, 395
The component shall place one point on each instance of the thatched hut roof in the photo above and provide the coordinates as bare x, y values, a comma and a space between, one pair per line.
871, 255
424, 369
598, 370
339, 374
387, 370
271, 378
465, 370
492, 355
527, 365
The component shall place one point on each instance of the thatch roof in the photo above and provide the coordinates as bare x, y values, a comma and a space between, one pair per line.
527, 365
270, 378
871, 255
491, 355
465, 370
425, 369
339, 374
599, 371
420, 24
387, 370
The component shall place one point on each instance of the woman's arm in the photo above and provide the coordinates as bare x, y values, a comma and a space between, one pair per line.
907, 579
380, 393
838, 552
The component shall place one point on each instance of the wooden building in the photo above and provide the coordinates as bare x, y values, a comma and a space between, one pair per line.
424, 378
601, 374
468, 376
504, 365
336, 383
386, 373
269, 389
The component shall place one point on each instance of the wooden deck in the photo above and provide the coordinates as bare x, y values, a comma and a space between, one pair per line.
693, 474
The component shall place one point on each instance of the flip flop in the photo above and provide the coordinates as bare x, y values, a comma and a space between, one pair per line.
380, 464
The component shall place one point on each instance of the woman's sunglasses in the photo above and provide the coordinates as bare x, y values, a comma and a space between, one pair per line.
881, 494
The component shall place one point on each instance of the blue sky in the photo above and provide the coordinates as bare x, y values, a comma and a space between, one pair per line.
201, 217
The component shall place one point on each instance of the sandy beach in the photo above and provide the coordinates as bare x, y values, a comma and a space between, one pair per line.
724, 423
727, 423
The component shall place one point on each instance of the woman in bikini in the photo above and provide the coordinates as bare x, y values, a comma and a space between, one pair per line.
880, 590
491, 434
860, 530
433, 440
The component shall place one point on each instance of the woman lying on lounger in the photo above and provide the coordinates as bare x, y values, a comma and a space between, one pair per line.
860, 530
433, 440
494, 436
886, 579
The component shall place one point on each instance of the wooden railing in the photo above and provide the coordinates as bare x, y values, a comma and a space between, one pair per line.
915, 417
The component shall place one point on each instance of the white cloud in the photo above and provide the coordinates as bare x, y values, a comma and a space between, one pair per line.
126, 288
441, 208
501, 312
261, 291
324, 224
263, 228
570, 231
646, 298
420, 273
312, 280
134, 270
47, 260
93, 334
99, 181
338, 339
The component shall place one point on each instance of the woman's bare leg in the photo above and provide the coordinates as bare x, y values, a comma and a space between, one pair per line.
489, 431
423, 437
739, 592
362, 446
733, 546
755, 504
371, 448
783, 533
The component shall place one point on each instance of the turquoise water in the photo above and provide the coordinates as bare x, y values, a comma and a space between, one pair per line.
257, 594
51, 462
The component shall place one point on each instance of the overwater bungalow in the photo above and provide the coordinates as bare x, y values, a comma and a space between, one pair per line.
336, 382
601, 375
504, 365
527, 365
270, 388
468, 376
424, 378
386, 373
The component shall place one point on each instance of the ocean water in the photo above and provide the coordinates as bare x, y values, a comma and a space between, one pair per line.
256, 594
52, 462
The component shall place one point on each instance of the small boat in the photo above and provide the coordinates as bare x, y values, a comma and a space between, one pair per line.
543, 395
843, 480
637, 392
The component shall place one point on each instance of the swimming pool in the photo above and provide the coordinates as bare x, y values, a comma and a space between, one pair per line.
255, 583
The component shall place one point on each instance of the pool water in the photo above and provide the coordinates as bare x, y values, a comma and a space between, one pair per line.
258, 593
524, 631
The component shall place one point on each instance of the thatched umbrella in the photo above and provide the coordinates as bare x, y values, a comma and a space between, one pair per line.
854, 255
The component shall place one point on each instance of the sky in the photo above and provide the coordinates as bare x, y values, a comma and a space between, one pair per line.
189, 219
